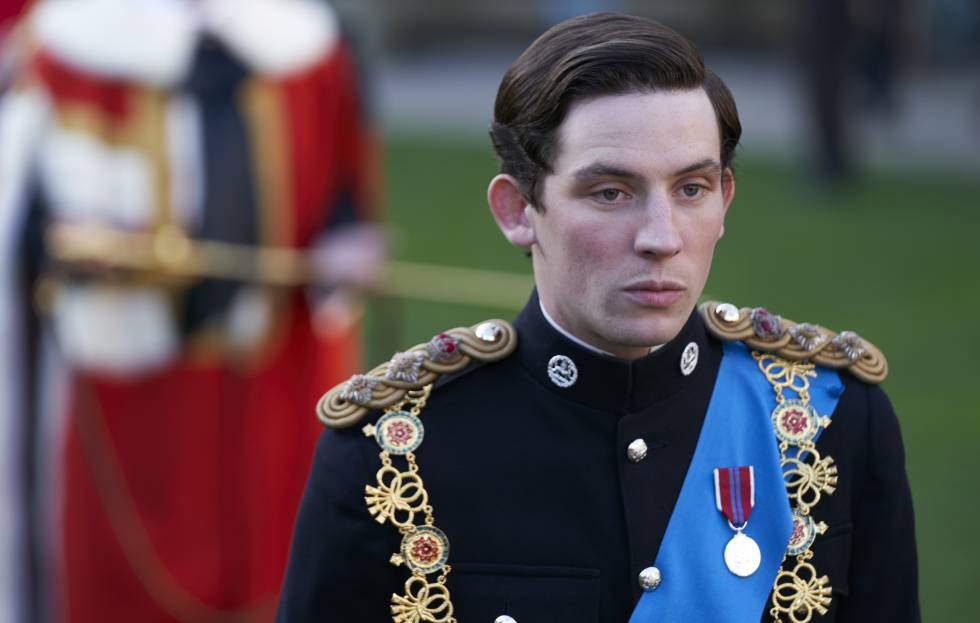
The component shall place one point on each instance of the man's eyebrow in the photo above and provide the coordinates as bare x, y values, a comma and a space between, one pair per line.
701, 165
592, 171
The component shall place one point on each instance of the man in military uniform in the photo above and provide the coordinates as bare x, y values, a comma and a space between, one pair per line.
616, 454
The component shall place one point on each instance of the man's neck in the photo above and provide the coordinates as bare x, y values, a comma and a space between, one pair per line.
557, 327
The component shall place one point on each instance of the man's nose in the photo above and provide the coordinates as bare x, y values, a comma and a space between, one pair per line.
657, 234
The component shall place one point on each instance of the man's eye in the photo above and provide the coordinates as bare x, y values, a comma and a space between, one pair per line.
610, 194
692, 191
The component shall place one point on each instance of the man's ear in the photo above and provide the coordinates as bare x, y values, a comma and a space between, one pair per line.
727, 194
509, 208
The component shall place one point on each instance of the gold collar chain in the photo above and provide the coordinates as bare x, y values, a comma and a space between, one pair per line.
799, 592
400, 497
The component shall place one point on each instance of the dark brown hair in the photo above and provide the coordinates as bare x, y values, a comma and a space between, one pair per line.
591, 56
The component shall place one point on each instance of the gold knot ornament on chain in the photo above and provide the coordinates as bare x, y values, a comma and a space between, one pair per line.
423, 601
799, 593
783, 374
808, 478
399, 497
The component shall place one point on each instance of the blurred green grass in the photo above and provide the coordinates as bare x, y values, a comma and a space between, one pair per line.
894, 257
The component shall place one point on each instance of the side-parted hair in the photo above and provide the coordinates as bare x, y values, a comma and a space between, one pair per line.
587, 57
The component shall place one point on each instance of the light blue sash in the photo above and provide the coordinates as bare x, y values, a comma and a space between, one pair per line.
696, 585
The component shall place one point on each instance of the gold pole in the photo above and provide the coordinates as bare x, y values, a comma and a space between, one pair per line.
170, 256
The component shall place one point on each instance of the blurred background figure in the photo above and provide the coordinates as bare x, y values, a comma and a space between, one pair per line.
850, 52
16, 468
824, 30
14, 524
172, 171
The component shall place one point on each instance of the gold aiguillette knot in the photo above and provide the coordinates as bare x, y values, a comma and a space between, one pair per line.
422, 601
807, 482
397, 498
800, 593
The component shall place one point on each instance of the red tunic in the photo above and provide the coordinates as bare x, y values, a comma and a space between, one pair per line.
180, 483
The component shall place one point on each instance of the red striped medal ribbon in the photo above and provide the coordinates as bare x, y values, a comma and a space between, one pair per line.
735, 498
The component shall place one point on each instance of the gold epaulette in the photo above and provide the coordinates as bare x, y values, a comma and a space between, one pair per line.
767, 332
421, 365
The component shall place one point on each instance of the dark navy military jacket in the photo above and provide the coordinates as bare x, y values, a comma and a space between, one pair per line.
547, 518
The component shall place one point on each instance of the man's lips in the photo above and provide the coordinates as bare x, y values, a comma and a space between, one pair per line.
655, 293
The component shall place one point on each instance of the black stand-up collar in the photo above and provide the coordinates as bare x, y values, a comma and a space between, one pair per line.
606, 382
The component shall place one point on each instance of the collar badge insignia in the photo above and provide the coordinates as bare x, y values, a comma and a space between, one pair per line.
689, 358
562, 371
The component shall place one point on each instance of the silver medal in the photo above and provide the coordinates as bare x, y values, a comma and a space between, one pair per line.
742, 555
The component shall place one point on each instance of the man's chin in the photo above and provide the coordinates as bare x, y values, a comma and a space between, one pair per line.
654, 327
654, 332
645, 336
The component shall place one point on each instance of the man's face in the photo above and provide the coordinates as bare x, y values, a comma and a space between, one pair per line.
632, 213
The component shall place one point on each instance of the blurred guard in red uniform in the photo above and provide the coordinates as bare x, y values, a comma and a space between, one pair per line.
16, 562
186, 439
